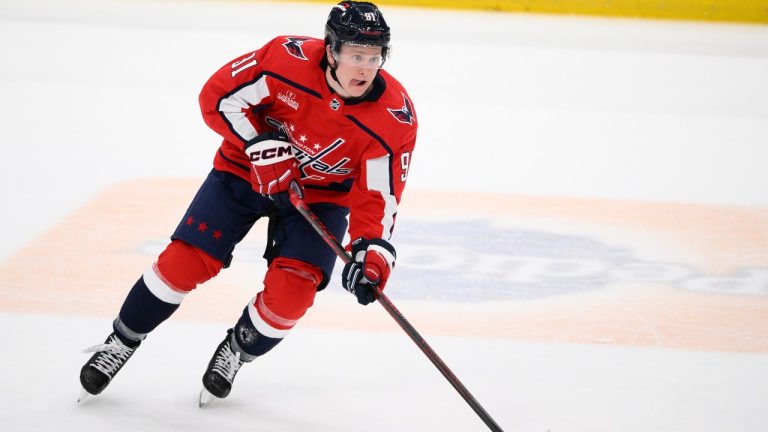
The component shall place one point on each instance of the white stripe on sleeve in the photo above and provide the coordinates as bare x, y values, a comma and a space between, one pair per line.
232, 107
378, 180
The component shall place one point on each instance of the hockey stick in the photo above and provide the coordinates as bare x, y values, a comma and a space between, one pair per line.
303, 208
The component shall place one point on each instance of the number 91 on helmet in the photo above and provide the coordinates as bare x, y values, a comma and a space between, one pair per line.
357, 24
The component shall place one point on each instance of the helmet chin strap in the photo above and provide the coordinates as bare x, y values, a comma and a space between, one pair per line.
333, 72
335, 64
336, 78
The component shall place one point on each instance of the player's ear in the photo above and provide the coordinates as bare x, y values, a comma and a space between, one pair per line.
329, 55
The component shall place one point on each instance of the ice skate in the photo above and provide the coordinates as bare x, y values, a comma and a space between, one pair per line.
221, 371
102, 367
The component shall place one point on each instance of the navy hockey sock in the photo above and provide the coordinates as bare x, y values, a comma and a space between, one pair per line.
141, 313
249, 341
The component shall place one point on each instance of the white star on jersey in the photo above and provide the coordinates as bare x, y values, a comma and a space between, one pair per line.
303, 138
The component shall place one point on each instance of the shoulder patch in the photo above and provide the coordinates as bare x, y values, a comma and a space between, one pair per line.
293, 46
404, 114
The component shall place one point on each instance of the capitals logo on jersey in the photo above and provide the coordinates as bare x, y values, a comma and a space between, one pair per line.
316, 162
404, 114
293, 46
317, 156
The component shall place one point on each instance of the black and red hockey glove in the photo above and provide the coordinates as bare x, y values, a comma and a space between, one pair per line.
274, 166
372, 262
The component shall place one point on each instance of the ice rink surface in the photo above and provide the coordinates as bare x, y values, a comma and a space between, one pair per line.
583, 239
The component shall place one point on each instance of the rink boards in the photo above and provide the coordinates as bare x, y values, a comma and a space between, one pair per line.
523, 268
753, 11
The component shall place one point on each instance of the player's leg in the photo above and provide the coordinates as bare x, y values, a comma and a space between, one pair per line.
302, 266
201, 246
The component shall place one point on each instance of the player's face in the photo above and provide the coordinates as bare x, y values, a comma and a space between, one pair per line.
356, 67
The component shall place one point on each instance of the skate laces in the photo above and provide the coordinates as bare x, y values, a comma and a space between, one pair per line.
113, 354
227, 363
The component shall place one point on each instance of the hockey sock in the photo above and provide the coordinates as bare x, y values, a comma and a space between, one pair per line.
249, 341
289, 289
149, 303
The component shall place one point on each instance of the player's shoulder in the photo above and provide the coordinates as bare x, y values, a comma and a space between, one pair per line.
292, 50
395, 94
392, 112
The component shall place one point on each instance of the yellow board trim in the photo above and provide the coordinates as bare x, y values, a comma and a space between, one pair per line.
746, 11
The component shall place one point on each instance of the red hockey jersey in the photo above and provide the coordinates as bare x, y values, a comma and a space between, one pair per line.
352, 153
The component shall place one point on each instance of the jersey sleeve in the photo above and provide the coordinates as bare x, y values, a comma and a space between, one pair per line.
230, 97
376, 192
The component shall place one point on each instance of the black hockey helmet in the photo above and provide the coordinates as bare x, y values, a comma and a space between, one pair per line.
357, 23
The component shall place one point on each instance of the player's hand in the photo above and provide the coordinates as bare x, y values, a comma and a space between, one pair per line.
274, 166
372, 261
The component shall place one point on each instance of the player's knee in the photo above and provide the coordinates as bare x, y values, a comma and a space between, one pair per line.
290, 287
183, 267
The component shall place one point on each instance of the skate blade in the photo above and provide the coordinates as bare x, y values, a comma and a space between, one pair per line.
205, 398
84, 396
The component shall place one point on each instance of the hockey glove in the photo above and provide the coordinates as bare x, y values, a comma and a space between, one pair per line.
372, 261
274, 166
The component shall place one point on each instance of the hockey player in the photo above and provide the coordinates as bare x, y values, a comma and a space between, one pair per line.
318, 112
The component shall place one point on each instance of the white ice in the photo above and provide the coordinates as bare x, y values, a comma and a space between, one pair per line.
97, 92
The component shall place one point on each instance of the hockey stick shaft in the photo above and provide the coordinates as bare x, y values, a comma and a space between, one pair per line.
303, 208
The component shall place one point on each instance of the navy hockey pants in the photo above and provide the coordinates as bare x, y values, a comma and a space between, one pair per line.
225, 208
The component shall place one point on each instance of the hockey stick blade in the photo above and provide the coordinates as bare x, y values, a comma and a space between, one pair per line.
298, 202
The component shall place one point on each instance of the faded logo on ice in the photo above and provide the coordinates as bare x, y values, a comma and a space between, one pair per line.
479, 262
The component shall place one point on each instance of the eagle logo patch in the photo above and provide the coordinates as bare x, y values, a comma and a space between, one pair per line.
293, 46
404, 114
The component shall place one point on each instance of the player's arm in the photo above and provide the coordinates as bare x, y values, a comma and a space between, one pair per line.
229, 97
373, 202
228, 101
